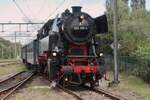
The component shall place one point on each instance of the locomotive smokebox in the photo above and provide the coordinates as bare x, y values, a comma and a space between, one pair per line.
76, 9
78, 27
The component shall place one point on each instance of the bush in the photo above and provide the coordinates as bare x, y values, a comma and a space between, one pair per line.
137, 66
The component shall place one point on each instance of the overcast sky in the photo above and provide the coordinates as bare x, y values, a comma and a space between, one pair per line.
39, 10
42, 10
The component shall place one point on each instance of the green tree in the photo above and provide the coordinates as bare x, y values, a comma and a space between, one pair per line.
138, 4
133, 28
134, 35
7, 49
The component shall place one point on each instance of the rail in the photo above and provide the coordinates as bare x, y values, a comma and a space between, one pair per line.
9, 86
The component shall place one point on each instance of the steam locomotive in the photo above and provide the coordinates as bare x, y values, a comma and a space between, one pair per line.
65, 48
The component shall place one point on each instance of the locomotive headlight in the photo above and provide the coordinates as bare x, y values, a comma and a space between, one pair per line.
101, 54
54, 54
82, 17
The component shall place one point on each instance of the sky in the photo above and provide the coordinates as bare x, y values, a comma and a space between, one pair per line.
39, 10
42, 10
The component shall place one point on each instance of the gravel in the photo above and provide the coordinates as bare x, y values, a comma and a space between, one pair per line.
38, 89
6, 76
11, 82
89, 95
118, 90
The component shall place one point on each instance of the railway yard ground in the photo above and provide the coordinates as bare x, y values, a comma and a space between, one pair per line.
38, 88
11, 68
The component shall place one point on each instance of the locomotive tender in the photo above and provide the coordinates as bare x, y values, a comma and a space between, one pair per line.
65, 48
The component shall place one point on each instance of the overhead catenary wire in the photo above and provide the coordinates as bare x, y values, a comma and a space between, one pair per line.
42, 6
20, 9
55, 10
28, 7
11, 28
16, 36
34, 14
28, 18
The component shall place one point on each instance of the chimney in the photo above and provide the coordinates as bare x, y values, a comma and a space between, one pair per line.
76, 9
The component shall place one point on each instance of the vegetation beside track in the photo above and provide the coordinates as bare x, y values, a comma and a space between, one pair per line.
38, 89
133, 37
137, 85
7, 49
134, 85
12, 69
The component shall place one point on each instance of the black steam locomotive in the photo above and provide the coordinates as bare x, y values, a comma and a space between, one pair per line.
65, 48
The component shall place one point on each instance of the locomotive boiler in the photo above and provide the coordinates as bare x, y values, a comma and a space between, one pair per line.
66, 48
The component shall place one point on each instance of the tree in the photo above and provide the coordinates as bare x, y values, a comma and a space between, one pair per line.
133, 30
125, 1
110, 2
137, 4
7, 49
133, 34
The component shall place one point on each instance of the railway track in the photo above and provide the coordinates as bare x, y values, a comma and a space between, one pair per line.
9, 60
70, 92
2, 64
77, 92
11, 84
65, 89
103, 93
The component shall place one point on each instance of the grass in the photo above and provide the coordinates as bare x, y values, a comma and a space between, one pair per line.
136, 85
12, 69
130, 83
